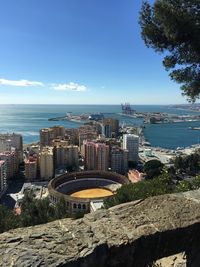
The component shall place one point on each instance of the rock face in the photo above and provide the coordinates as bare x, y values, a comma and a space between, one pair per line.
131, 235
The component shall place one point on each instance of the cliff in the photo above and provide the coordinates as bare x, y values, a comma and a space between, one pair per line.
133, 234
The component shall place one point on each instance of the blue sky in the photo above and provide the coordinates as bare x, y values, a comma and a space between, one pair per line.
78, 52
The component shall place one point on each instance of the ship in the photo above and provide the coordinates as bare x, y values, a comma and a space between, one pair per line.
96, 117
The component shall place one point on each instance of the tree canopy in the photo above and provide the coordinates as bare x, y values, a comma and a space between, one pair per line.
153, 168
172, 27
141, 190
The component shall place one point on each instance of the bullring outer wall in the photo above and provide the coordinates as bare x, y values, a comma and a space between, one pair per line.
74, 204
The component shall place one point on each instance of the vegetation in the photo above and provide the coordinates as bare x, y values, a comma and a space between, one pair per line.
130, 192
188, 164
34, 211
160, 185
172, 27
153, 168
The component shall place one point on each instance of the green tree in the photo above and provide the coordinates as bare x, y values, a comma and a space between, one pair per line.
153, 168
130, 192
8, 220
172, 27
189, 164
61, 209
179, 163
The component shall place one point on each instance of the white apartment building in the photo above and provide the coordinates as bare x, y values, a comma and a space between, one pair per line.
131, 143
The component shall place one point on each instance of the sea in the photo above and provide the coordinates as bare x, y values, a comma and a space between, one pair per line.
29, 119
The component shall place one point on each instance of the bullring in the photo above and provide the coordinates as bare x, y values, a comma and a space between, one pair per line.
78, 189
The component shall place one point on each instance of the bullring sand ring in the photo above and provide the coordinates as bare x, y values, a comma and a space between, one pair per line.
92, 193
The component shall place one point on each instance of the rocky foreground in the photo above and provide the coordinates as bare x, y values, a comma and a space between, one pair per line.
133, 234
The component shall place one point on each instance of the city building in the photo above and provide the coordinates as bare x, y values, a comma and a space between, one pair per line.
106, 130
46, 135
119, 160
46, 163
3, 177
59, 142
131, 143
10, 141
86, 136
102, 157
59, 131
96, 156
12, 162
71, 135
89, 155
72, 156
66, 156
114, 125
5, 144
31, 168
14, 139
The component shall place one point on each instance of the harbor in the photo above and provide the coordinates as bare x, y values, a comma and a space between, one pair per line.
157, 117
167, 135
83, 118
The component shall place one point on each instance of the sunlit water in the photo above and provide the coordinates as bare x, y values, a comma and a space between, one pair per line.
29, 119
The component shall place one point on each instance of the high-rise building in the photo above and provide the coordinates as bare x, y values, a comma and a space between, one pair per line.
71, 135
59, 131
10, 141
119, 160
96, 156
86, 136
12, 162
89, 155
114, 125
46, 135
31, 168
66, 156
131, 143
3, 177
5, 145
46, 163
59, 142
102, 157
72, 156
106, 130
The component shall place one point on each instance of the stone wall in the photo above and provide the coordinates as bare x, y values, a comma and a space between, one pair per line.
129, 235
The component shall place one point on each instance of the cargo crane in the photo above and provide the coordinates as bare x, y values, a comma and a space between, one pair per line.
126, 109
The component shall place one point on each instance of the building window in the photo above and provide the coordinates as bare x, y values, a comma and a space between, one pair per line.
84, 207
79, 206
74, 206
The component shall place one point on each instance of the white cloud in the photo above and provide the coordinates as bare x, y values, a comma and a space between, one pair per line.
70, 87
20, 83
